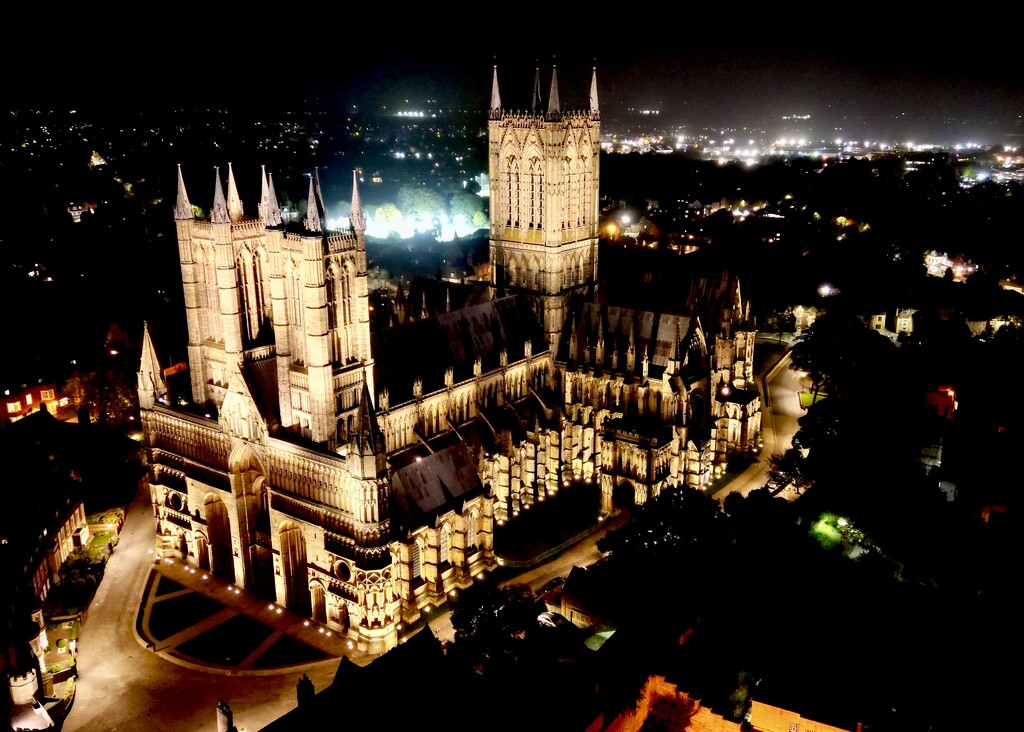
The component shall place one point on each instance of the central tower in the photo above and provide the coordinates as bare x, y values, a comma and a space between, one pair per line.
544, 173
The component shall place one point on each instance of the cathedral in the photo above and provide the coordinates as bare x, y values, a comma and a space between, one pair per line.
358, 476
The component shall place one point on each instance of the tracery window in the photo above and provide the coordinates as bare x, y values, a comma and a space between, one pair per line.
416, 561
444, 545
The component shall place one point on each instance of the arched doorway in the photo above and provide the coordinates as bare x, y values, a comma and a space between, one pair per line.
624, 495
251, 494
318, 598
293, 566
202, 552
221, 563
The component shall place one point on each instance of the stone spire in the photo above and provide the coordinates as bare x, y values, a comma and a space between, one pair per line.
234, 202
495, 96
536, 89
275, 208
554, 113
358, 216
367, 438
269, 209
319, 193
183, 207
595, 112
367, 459
152, 386
313, 210
219, 215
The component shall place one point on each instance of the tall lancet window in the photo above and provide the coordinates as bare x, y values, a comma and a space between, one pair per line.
332, 314
213, 296
346, 310
574, 217
587, 198
444, 545
536, 193
247, 284
262, 262
295, 315
339, 314
416, 561
566, 191
471, 529
202, 296
512, 182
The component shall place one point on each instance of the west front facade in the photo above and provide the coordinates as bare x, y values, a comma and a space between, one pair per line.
357, 476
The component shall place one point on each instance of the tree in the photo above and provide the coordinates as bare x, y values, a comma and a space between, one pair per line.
420, 202
840, 354
388, 213
465, 205
788, 467
118, 398
81, 391
491, 626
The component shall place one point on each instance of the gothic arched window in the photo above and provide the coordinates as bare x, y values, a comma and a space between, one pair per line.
471, 529
416, 561
444, 545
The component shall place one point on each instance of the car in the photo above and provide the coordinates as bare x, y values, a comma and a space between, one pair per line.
552, 620
551, 584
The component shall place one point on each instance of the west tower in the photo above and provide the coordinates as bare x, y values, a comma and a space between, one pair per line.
254, 291
544, 172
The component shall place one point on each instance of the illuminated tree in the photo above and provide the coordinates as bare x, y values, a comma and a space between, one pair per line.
466, 205
420, 202
388, 213
788, 467
118, 398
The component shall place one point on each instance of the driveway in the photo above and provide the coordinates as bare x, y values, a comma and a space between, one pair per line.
125, 686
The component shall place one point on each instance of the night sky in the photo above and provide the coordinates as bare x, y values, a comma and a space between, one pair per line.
694, 64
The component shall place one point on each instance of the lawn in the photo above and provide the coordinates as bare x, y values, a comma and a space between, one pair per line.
561, 517
807, 398
286, 651
174, 614
228, 643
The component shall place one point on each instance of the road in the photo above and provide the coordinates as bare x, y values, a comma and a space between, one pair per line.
123, 686
779, 414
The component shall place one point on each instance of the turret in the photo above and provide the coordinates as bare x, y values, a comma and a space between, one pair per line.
554, 112
227, 278
358, 216
269, 209
495, 110
184, 218
234, 203
317, 327
367, 451
152, 386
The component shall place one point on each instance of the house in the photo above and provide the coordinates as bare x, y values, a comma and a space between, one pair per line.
43, 522
19, 402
